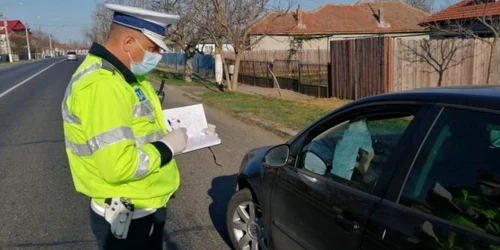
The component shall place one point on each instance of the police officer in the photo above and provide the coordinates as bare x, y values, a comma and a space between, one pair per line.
119, 151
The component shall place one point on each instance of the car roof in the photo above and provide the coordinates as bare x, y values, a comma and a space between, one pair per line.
482, 96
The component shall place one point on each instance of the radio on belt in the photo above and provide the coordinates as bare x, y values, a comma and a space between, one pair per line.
119, 215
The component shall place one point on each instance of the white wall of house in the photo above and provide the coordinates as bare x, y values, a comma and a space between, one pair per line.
209, 48
283, 42
3, 44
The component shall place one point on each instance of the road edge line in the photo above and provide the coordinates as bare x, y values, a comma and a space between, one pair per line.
27, 79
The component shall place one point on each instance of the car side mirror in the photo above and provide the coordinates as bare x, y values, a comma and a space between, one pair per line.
314, 163
277, 156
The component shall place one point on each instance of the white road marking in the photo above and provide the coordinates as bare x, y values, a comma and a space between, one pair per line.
29, 78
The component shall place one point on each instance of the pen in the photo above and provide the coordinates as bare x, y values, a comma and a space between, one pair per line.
170, 124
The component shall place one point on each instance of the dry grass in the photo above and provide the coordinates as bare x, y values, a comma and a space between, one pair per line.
323, 103
293, 115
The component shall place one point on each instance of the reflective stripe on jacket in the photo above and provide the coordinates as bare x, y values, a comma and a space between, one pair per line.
109, 128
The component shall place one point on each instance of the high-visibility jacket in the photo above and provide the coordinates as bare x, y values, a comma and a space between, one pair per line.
110, 128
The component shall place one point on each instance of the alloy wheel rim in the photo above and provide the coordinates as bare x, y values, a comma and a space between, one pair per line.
248, 228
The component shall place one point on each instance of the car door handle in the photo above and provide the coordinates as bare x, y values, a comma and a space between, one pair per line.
341, 220
346, 224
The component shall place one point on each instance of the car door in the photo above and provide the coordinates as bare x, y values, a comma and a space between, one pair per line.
319, 201
446, 194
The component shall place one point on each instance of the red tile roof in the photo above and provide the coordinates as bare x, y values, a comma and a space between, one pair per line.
12, 25
464, 10
357, 18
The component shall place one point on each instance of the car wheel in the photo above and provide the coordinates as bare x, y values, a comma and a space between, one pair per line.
244, 222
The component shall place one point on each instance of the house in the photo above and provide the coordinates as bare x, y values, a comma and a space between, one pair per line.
314, 29
82, 51
205, 47
470, 15
209, 48
13, 27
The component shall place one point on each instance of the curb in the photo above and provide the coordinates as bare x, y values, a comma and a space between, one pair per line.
283, 132
192, 96
21, 62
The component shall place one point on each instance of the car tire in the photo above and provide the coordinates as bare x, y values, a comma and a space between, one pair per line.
244, 222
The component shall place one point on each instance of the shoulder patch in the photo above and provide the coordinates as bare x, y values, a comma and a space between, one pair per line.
140, 94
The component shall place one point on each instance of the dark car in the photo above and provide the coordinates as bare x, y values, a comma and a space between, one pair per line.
409, 170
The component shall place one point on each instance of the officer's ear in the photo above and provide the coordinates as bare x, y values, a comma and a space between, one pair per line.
128, 43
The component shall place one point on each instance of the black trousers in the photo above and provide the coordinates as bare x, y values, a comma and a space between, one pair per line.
138, 235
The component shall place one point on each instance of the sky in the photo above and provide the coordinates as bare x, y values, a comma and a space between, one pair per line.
66, 19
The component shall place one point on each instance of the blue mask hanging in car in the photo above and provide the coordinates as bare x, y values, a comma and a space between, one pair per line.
495, 138
149, 62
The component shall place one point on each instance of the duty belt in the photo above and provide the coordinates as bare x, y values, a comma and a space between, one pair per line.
138, 213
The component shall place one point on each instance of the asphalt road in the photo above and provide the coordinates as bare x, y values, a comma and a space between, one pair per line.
39, 208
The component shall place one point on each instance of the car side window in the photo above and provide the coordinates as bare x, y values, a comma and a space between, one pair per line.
355, 151
456, 175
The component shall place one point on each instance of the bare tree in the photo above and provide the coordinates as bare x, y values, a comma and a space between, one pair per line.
102, 19
39, 40
18, 43
440, 54
100, 27
483, 26
424, 5
234, 20
212, 31
492, 23
187, 33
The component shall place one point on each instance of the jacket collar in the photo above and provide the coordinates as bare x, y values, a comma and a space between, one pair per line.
99, 50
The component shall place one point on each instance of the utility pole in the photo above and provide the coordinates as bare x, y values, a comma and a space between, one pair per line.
7, 36
28, 41
50, 44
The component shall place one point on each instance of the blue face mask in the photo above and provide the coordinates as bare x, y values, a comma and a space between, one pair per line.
149, 62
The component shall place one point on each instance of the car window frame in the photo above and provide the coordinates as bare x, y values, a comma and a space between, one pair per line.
396, 186
337, 118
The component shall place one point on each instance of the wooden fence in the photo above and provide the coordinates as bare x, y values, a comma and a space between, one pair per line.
407, 75
364, 67
358, 67
305, 56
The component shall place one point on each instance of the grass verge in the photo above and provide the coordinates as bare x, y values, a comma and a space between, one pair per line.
293, 115
273, 114
172, 78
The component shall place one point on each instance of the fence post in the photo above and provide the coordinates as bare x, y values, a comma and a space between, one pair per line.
270, 66
319, 72
300, 82
319, 86
254, 75
330, 81
319, 81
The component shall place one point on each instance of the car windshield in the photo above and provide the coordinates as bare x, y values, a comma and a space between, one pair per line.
71, 53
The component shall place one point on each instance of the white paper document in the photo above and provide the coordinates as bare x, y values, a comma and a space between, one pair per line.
194, 120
